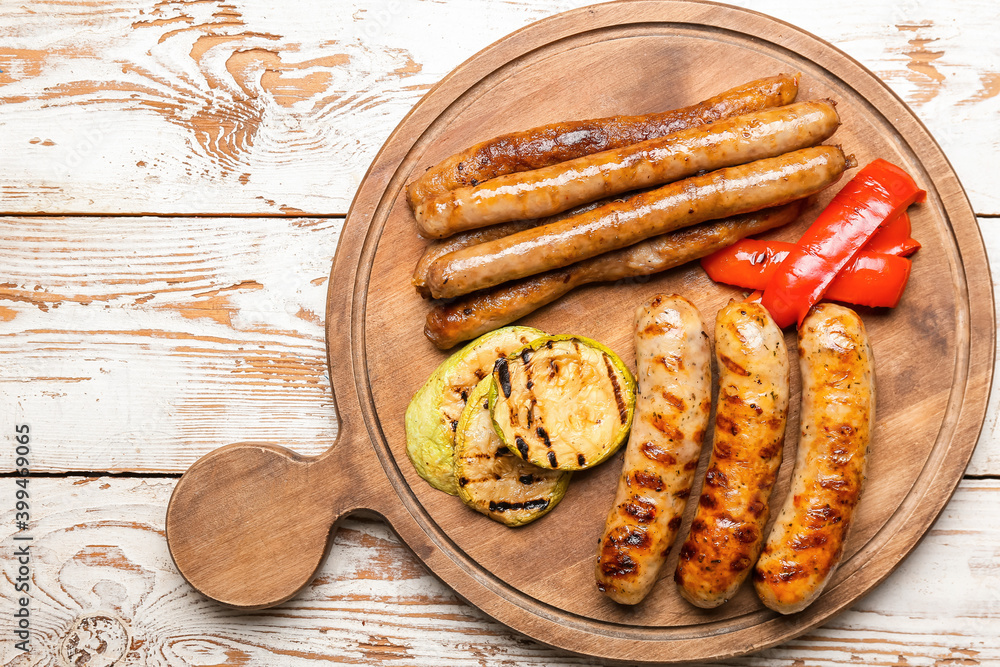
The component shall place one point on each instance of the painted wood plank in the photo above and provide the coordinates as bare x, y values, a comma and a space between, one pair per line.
141, 344
101, 573
141, 106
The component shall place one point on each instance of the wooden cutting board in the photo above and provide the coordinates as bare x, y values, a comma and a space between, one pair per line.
249, 524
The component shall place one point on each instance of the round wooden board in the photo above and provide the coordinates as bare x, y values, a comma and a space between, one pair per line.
934, 353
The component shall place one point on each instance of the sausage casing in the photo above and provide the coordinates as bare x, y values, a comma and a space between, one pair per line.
673, 359
727, 531
717, 194
837, 416
559, 187
473, 315
558, 142
442, 247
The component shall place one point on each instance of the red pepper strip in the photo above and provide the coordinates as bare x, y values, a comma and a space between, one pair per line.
893, 238
879, 192
870, 279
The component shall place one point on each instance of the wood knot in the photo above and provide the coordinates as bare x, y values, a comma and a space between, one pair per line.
96, 640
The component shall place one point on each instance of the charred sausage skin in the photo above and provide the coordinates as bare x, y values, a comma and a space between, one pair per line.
673, 357
727, 531
549, 144
475, 314
559, 187
837, 416
717, 194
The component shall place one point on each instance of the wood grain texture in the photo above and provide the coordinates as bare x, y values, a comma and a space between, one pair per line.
126, 361
142, 344
138, 106
99, 551
553, 600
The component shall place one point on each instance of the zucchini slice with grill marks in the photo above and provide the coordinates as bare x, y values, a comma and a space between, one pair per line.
562, 402
493, 481
432, 416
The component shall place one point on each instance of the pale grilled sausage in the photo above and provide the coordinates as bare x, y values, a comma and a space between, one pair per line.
473, 315
837, 416
727, 531
559, 187
718, 194
673, 358
558, 142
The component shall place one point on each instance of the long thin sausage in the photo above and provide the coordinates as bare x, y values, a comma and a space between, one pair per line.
436, 249
837, 416
558, 142
673, 358
559, 187
727, 531
465, 318
717, 194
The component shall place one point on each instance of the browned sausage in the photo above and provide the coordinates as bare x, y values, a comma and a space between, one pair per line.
558, 142
476, 314
472, 237
674, 370
717, 194
551, 190
837, 417
727, 531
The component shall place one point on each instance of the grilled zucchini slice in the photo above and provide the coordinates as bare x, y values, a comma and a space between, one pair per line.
562, 402
433, 414
493, 481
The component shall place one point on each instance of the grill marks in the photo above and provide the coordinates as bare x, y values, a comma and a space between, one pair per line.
674, 366
539, 409
727, 531
643, 510
654, 452
619, 398
645, 479
522, 446
666, 427
807, 542
619, 547
732, 366
503, 376
534, 505
491, 478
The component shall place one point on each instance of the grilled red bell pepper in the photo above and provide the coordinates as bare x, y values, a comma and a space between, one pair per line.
870, 279
893, 238
879, 192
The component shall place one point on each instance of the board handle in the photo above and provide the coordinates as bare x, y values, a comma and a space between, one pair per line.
249, 524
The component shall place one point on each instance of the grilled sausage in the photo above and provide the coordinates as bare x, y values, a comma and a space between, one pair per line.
837, 416
553, 189
727, 531
717, 194
558, 142
473, 315
675, 395
473, 237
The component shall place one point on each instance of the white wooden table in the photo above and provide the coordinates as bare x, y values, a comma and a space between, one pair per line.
173, 179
